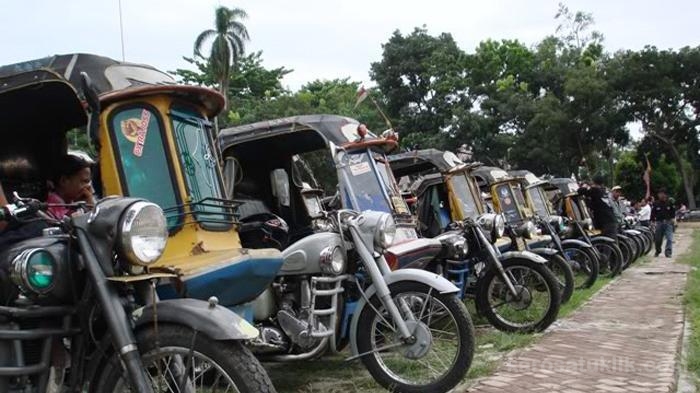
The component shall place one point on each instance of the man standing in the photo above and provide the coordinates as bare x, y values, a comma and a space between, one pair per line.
663, 214
645, 213
600, 204
618, 205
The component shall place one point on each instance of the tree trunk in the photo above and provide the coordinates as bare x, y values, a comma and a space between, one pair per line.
687, 179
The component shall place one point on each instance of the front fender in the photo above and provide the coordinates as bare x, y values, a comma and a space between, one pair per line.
544, 251
435, 281
218, 323
523, 254
575, 243
631, 232
602, 239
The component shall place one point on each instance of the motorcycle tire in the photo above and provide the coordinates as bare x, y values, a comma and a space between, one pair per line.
584, 263
627, 252
611, 258
231, 359
564, 275
548, 286
463, 343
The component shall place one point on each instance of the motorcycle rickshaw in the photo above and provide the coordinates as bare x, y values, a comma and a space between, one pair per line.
407, 326
564, 196
514, 289
77, 306
505, 195
580, 255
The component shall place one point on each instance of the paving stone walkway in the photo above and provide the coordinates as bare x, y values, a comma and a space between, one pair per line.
626, 339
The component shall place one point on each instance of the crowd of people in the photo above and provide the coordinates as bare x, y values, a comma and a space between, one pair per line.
610, 208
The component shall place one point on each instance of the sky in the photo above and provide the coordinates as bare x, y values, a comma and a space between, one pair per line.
319, 39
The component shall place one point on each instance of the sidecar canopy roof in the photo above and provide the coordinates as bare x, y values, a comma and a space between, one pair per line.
487, 175
36, 102
565, 185
114, 80
530, 179
425, 160
295, 134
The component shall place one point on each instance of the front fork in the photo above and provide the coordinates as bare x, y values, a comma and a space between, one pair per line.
376, 268
493, 252
116, 319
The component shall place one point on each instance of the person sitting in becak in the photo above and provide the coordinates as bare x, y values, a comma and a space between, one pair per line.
72, 182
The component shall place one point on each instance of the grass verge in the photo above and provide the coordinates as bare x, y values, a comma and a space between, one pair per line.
692, 301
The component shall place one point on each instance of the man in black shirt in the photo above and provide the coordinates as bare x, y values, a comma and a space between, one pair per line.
601, 206
663, 214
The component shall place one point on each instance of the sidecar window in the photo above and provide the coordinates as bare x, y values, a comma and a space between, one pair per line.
198, 161
364, 184
137, 137
507, 202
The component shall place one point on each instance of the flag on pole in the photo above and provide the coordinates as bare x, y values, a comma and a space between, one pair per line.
647, 177
361, 95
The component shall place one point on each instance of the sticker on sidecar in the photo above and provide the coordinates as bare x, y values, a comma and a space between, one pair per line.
134, 130
358, 169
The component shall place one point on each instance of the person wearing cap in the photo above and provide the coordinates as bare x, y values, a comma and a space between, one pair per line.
618, 204
663, 214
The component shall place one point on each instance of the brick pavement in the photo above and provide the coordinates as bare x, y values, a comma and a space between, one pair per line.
626, 339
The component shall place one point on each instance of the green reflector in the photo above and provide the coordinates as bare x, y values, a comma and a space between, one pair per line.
40, 270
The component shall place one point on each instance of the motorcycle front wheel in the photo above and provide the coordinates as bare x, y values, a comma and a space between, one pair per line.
564, 275
611, 258
584, 264
441, 354
178, 361
536, 304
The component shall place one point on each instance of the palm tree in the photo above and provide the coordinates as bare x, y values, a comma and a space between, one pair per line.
227, 46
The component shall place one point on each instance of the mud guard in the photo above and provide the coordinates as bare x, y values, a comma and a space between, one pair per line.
544, 252
575, 243
523, 254
435, 281
218, 323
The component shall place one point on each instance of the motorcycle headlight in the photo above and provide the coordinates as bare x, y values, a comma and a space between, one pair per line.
500, 225
588, 224
332, 260
144, 233
528, 230
385, 231
33, 271
495, 224
557, 222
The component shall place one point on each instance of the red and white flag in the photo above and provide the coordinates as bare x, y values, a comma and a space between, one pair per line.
361, 95
647, 177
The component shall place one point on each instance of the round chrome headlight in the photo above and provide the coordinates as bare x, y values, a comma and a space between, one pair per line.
332, 260
144, 233
33, 271
528, 230
455, 246
557, 222
385, 231
588, 224
500, 225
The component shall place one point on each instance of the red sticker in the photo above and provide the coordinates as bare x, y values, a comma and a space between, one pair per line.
141, 133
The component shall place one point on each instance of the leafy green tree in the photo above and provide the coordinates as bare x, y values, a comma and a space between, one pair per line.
661, 89
423, 80
227, 43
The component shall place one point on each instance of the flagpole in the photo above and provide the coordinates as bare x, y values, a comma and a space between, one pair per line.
381, 112
121, 29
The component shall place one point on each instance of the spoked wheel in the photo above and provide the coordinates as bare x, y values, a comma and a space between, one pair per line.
584, 264
611, 258
178, 361
532, 308
442, 348
564, 275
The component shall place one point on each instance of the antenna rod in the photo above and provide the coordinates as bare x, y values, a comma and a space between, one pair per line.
121, 29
